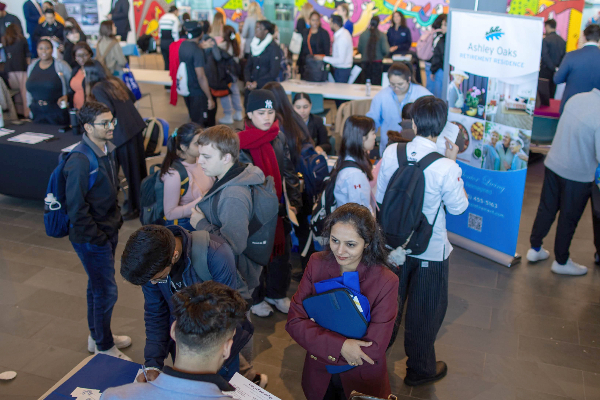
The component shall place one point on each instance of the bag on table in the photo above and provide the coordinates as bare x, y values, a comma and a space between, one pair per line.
296, 43
152, 210
130, 82
314, 70
56, 219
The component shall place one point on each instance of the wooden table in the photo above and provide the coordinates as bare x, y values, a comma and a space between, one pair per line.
330, 90
152, 76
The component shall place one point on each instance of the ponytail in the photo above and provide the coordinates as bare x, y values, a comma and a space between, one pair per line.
373, 38
182, 136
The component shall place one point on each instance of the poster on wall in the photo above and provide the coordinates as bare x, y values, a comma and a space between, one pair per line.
85, 13
492, 88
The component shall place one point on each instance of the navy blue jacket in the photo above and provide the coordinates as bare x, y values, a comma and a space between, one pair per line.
401, 38
158, 306
579, 70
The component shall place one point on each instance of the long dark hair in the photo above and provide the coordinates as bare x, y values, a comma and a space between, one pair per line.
300, 96
291, 123
437, 24
231, 40
356, 128
182, 136
106, 29
402, 19
12, 35
366, 227
95, 73
373, 38
75, 24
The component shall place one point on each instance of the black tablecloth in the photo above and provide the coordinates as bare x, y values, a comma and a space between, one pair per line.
26, 168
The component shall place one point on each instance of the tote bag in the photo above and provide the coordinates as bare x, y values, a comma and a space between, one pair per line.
130, 82
296, 43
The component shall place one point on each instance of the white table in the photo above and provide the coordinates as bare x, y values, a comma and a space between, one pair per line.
152, 76
330, 90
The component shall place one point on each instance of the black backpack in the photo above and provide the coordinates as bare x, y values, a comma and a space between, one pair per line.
324, 205
217, 73
152, 192
401, 214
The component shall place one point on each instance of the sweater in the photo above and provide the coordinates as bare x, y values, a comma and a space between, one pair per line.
575, 151
177, 206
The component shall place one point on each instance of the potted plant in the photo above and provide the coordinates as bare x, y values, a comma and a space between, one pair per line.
473, 101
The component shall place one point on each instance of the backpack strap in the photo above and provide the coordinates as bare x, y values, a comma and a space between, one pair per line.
200, 243
401, 152
429, 159
91, 156
183, 175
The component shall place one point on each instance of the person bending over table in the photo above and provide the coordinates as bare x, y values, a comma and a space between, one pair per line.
356, 245
316, 129
82, 53
47, 87
128, 134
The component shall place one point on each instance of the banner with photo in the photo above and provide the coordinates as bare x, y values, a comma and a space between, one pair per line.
492, 87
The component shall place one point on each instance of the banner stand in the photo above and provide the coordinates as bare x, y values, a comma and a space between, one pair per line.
484, 251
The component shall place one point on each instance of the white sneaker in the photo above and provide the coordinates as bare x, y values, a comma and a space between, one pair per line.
114, 352
570, 268
120, 341
534, 256
282, 305
238, 116
262, 309
227, 119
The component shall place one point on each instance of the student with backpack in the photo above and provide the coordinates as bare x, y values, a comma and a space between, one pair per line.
164, 260
415, 188
352, 182
264, 145
94, 222
184, 181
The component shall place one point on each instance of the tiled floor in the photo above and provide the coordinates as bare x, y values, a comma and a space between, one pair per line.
510, 334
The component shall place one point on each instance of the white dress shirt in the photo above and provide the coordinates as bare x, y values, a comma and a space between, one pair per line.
443, 183
343, 50
352, 186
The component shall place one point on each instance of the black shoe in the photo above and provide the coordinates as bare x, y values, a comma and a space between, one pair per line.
596, 259
413, 379
131, 215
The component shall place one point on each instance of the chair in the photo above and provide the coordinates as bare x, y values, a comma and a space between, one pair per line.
317, 104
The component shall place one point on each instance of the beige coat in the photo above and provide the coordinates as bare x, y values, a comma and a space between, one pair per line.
114, 60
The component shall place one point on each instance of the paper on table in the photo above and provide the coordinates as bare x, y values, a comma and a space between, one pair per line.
451, 132
86, 394
71, 147
30, 138
4, 131
246, 390
290, 213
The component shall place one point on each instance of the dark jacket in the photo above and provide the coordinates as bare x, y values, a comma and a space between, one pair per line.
265, 67
158, 307
68, 55
318, 132
120, 16
301, 27
16, 56
45, 29
6, 21
554, 49
94, 214
286, 169
437, 60
380, 286
130, 122
579, 70
400, 37
320, 43
32, 16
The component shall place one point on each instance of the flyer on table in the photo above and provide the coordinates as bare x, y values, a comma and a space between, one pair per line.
492, 89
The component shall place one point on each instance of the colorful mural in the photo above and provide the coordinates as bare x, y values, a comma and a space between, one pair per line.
146, 14
567, 14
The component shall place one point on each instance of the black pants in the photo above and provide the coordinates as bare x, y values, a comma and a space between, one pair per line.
335, 390
198, 110
276, 277
596, 223
548, 74
568, 197
373, 71
164, 49
303, 231
130, 156
424, 286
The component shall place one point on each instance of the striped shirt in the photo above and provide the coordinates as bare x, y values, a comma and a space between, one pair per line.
168, 24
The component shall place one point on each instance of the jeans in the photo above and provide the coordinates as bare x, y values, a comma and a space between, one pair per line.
435, 86
99, 264
341, 75
182, 222
233, 102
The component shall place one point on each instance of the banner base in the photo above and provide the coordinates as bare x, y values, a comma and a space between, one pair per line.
487, 252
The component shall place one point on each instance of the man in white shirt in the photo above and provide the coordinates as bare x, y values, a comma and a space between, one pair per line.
424, 277
343, 50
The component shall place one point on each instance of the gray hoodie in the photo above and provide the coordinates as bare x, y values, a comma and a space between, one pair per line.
232, 220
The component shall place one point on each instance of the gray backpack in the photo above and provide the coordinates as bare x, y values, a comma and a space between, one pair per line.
263, 221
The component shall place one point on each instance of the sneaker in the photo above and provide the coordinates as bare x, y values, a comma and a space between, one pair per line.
120, 341
261, 380
534, 256
570, 268
114, 352
282, 305
238, 116
262, 309
412, 379
227, 119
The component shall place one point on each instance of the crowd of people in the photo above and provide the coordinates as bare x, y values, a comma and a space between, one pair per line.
218, 250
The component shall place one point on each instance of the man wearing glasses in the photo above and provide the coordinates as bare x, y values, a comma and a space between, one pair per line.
95, 219
386, 107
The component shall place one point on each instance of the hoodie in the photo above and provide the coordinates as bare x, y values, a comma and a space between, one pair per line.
234, 211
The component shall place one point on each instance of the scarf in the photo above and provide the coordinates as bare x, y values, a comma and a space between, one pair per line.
257, 47
263, 156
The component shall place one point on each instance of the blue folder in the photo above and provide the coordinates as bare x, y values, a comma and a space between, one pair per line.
100, 373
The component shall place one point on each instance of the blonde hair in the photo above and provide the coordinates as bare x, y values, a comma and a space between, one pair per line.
254, 10
345, 8
305, 11
216, 29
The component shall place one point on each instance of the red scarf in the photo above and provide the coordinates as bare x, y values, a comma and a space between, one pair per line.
263, 156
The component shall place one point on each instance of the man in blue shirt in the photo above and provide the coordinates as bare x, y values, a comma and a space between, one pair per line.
386, 107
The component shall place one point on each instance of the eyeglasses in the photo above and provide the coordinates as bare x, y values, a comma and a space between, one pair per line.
398, 85
107, 124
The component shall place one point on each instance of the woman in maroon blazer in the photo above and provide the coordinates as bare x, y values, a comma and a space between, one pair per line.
355, 244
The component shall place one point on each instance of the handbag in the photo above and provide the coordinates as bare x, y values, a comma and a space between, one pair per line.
130, 82
296, 43
314, 70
